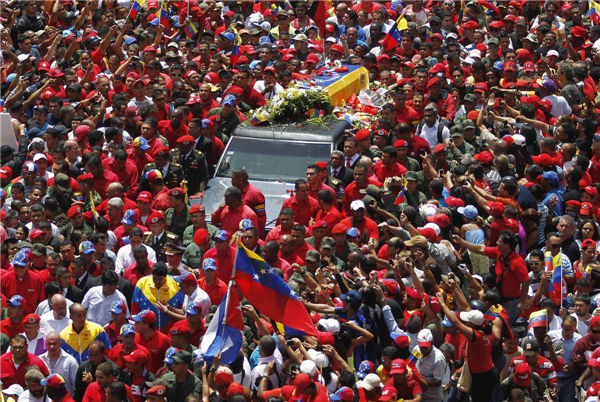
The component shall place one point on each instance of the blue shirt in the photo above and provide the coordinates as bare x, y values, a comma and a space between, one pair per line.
360, 352
568, 348
558, 209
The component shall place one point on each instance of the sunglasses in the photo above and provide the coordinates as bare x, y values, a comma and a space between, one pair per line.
554, 246
282, 18
595, 331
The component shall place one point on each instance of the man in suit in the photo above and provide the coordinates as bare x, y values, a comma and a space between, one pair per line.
79, 272
351, 154
124, 285
157, 238
73, 293
336, 168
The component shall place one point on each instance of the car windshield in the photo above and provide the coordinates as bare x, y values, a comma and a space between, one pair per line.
272, 160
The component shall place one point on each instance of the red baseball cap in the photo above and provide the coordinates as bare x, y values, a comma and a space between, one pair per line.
543, 159
145, 196
496, 208
6, 172
484, 157
137, 356
440, 220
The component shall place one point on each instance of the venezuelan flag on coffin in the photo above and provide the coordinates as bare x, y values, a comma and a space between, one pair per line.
342, 84
146, 295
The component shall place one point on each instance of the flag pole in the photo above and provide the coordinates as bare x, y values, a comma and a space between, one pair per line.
229, 289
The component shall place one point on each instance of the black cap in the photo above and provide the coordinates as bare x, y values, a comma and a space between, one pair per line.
6, 150
208, 32
370, 56
183, 356
529, 346
155, 64
75, 87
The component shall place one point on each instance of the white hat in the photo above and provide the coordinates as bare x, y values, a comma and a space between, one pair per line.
331, 39
435, 227
519, 139
469, 60
15, 390
172, 44
308, 367
428, 210
321, 360
39, 156
370, 382
451, 35
424, 338
552, 52
223, 369
474, 317
357, 204
23, 57
330, 325
475, 53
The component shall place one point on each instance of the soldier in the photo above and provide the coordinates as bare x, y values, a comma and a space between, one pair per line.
198, 219
193, 162
172, 172
158, 237
178, 214
174, 255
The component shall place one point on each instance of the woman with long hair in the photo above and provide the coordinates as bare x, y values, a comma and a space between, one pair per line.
531, 224
588, 230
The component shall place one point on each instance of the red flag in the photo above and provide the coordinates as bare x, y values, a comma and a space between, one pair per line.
234, 313
318, 12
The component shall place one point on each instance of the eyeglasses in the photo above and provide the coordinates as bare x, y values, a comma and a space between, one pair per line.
176, 74
595, 331
554, 246
282, 18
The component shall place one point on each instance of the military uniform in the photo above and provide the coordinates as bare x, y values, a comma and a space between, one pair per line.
178, 223
412, 164
195, 168
193, 255
159, 246
68, 229
338, 186
188, 233
373, 152
348, 248
174, 175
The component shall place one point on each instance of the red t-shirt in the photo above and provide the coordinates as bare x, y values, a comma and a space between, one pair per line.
382, 171
11, 329
367, 225
408, 390
157, 344
216, 291
514, 275
479, 353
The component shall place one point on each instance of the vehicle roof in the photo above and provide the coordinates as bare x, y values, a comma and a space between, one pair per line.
295, 132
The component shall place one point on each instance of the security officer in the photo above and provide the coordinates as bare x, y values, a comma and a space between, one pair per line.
172, 172
174, 255
157, 238
336, 184
193, 162
178, 214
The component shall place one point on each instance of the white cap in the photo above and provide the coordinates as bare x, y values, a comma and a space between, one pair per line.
14, 390
479, 278
172, 44
370, 382
435, 227
469, 60
308, 367
23, 57
475, 53
266, 25
424, 338
331, 39
39, 156
321, 360
519, 139
475, 317
223, 369
356, 205
451, 35
330, 325
552, 52
428, 210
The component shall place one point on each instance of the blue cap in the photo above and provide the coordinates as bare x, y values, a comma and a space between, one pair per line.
126, 240
169, 355
206, 123
246, 224
11, 77
209, 264
499, 65
128, 217
127, 329
142, 143
175, 20
193, 308
230, 100
130, 40
597, 137
446, 323
182, 277
154, 22
265, 40
366, 367
469, 211
34, 132
552, 177
228, 35
21, 259
352, 232
118, 306
342, 394
87, 247
15, 301
352, 296
221, 235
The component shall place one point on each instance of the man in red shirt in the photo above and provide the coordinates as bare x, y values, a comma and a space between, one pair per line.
137, 374
352, 193
416, 145
96, 391
210, 283
13, 324
387, 166
208, 102
174, 128
232, 211
287, 251
252, 197
118, 312
56, 388
126, 171
510, 269
315, 184
367, 228
128, 345
147, 335
286, 221
327, 212
24, 282
208, 130
14, 363
251, 97
160, 195
310, 390
405, 113
140, 153
102, 177
406, 387
223, 254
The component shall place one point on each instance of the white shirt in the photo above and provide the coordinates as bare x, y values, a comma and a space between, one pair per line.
48, 323
26, 397
582, 326
199, 296
259, 86
125, 258
44, 307
55, 231
98, 305
560, 105
66, 366
136, 103
259, 370
430, 134
433, 367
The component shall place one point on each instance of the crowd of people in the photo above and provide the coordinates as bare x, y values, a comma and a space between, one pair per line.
449, 251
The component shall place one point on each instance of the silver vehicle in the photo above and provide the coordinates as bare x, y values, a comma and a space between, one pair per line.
274, 157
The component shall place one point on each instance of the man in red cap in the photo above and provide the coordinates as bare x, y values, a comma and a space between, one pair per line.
443, 100
13, 323
158, 237
148, 336
403, 383
387, 166
309, 389
136, 374
193, 162
160, 195
144, 209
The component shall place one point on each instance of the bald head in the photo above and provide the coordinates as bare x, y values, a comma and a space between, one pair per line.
52, 336
77, 308
58, 304
115, 190
501, 147
365, 160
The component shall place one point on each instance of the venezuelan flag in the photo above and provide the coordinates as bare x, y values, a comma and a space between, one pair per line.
394, 37
461, 12
258, 119
94, 213
493, 313
146, 295
414, 358
400, 198
314, 113
137, 5
190, 30
538, 319
265, 290
594, 12
554, 264
235, 50
163, 14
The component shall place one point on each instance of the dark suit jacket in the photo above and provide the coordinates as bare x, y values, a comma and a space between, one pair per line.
205, 145
124, 287
74, 294
345, 174
82, 285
